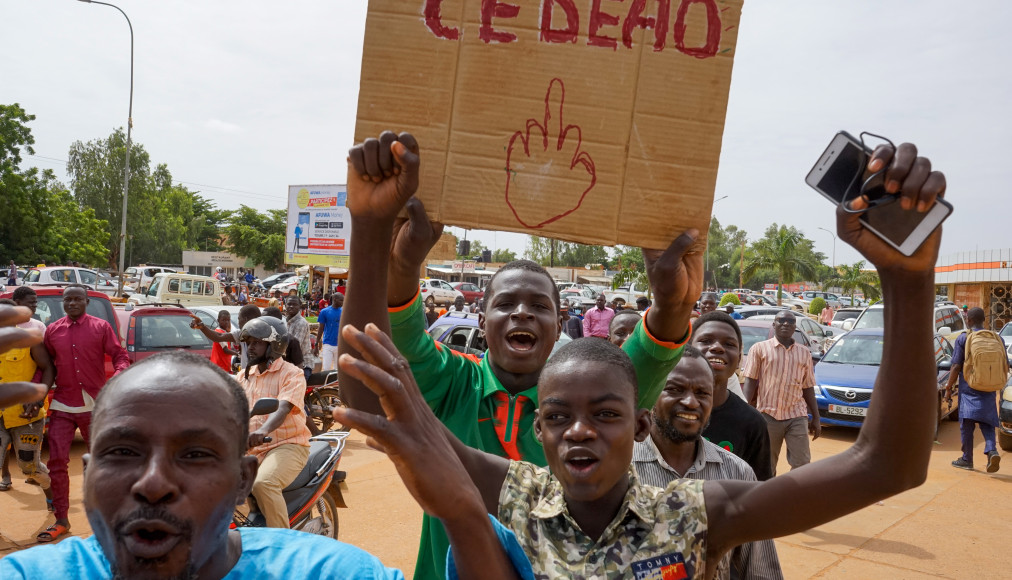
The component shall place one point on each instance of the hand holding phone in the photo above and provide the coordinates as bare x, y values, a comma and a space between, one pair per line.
871, 182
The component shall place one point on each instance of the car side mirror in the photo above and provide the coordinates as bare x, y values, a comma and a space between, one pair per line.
944, 330
848, 324
945, 364
829, 333
816, 357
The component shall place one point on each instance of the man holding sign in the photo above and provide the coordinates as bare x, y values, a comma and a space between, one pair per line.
490, 403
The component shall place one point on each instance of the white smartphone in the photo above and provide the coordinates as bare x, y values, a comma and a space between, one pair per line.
834, 177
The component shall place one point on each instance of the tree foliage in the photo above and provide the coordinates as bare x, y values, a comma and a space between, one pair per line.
504, 256
565, 254
817, 305
723, 259
851, 278
784, 253
729, 298
257, 235
40, 221
162, 219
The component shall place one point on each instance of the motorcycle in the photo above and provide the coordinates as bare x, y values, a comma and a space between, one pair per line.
314, 496
323, 395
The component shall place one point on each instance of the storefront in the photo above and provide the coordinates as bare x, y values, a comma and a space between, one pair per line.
205, 263
980, 278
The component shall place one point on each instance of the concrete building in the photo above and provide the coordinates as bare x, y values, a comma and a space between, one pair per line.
204, 264
979, 278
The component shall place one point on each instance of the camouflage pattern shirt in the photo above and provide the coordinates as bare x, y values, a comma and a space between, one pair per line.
658, 533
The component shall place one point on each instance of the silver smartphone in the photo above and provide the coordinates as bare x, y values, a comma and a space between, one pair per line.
840, 174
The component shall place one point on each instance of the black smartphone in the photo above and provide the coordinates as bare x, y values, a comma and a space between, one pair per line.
840, 175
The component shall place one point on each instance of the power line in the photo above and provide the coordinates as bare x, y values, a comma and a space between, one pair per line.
217, 189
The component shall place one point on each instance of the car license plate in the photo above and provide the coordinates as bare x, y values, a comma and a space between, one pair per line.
845, 410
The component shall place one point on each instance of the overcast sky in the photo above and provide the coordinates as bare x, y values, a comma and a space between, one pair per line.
241, 99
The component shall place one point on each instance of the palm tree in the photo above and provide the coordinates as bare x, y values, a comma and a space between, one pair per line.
852, 278
779, 253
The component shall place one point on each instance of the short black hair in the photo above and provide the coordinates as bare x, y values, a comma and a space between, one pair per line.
689, 351
621, 314
595, 349
527, 266
22, 292
976, 315
273, 311
718, 316
240, 405
225, 314
706, 294
250, 311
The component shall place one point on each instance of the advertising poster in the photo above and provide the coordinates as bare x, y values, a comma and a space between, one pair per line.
319, 226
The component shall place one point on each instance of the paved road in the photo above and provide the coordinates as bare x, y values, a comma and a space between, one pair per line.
953, 526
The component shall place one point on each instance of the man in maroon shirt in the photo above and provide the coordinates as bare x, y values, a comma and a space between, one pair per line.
78, 344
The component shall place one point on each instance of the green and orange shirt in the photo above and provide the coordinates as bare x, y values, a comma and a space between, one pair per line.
466, 396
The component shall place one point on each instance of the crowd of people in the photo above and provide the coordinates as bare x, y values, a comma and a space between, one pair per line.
632, 451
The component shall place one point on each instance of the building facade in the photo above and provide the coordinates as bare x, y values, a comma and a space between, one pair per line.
979, 278
204, 264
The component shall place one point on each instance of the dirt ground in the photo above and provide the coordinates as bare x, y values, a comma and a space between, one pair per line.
953, 526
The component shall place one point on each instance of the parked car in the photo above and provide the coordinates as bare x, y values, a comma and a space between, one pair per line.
1006, 335
820, 335
5, 275
50, 309
845, 377
273, 279
845, 314
287, 285
947, 316
140, 277
584, 298
459, 332
435, 291
149, 330
183, 289
1005, 417
759, 300
852, 302
64, 275
209, 314
626, 294
470, 291
808, 295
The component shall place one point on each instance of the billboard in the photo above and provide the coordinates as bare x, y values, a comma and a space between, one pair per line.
319, 226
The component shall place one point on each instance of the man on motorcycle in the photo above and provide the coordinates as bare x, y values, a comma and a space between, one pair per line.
268, 375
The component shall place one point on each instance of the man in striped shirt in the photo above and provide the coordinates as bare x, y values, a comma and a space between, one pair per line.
675, 449
780, 370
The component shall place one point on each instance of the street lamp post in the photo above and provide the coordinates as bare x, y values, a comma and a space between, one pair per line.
834, 245
126, 170
707, 269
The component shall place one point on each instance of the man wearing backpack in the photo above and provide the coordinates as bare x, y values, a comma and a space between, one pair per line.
980, 364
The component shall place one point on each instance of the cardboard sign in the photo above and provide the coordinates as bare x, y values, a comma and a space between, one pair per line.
595, 121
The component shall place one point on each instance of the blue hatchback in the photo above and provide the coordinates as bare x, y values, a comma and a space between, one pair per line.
845, 377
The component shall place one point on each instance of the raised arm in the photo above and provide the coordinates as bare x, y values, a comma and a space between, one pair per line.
676, 280
382, 177
427, 456
211, 335
892, 450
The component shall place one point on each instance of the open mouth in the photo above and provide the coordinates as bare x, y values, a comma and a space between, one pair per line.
150, 539
716, 363
581, 462
688, 417
521, 340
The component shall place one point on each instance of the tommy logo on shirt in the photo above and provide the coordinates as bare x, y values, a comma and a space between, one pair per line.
667, 567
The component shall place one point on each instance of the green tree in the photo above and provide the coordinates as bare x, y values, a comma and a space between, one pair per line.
851, 278
504, 256
784, 252
549, 252
723, 260
729, 298
817, 306
628, 257
39, 220
259, 236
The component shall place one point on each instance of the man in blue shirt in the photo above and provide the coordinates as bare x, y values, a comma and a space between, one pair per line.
167, 467
326, 335
975, 407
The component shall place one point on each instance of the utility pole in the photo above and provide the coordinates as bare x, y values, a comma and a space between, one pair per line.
741, 272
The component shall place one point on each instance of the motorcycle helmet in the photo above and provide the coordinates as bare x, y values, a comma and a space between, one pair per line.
267, 329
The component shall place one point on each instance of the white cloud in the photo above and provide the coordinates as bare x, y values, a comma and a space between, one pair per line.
222, 126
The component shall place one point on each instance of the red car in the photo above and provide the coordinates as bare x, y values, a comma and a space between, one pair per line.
469, 290
149, 330
50, 309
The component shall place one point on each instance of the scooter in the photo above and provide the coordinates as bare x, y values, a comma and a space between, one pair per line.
314, 496
323, 395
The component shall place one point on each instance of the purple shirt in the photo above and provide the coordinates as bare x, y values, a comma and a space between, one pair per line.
78, 349
596, 321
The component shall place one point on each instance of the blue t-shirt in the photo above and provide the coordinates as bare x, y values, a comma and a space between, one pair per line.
330, 318
267, 554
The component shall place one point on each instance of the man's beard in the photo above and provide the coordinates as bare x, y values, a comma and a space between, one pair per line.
674, 435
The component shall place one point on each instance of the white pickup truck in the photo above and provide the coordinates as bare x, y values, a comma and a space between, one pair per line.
626, 294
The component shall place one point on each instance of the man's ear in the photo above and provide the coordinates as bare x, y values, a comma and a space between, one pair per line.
537, 424
642, 424
481, 321
248, 466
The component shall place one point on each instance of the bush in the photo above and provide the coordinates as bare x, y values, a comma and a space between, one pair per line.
729, 298
817, 305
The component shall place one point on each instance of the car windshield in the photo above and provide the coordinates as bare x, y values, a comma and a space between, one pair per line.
33, 276
167, 331
856, 350
872, 318
153, 289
